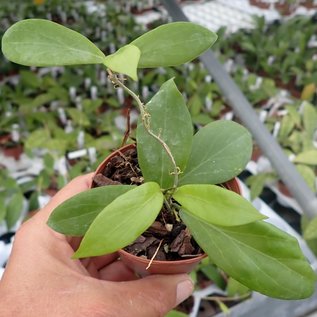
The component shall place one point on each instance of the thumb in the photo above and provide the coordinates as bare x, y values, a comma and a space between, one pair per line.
153, 296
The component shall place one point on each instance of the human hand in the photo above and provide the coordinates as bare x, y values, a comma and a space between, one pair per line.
42, 280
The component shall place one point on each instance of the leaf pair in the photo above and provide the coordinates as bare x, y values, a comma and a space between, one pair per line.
111, 217
37, 42
214, 155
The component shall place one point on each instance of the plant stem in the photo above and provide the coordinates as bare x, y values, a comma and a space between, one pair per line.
145, 117
227, 299
171, 210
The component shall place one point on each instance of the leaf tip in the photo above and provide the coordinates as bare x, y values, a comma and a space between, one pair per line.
75, 256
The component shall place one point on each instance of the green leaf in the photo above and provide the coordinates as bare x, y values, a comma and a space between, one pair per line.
30, 79
293, 112
74, 216
308, 157
37, 42
49, 163
310, 232
37, 139
220, 152
175, 313
213, 274
91, 105
173, 44
215, 205
257, 183
235, 288
258, 255
195, 105
308, 91
124, 61
295, 141
79, 117
223, 307
287, 125
308, 175
41, 100
170, 119
14, 209
122, 221
3, 209
310, 120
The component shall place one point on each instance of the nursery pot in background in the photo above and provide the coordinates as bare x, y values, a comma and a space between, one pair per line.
140, 265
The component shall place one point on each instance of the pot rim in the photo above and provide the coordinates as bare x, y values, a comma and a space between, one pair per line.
193, 259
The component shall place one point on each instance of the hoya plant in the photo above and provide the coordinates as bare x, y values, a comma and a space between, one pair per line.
181, 173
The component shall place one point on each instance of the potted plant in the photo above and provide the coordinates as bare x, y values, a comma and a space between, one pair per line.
180, 177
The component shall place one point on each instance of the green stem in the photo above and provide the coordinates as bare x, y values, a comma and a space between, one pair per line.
145, 117
227, 299
173, 211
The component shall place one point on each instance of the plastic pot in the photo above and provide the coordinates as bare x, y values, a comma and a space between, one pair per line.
139, 264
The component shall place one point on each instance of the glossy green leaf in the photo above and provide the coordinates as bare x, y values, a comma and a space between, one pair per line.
14, 209
173, 44
37, 42
258, 255
308, 157
215, 205
170, 119
124, 61
220, 152
122, 221
74, 216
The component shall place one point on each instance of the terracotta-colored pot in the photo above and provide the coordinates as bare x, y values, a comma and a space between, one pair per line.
283, 189
139, 264
14, 152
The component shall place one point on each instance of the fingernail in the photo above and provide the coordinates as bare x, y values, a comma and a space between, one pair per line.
184, 290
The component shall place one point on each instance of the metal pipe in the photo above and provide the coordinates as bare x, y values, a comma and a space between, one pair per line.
243, 109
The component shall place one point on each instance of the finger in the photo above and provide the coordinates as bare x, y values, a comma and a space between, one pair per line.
104, 260
93, 265
161, 293
117, 272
